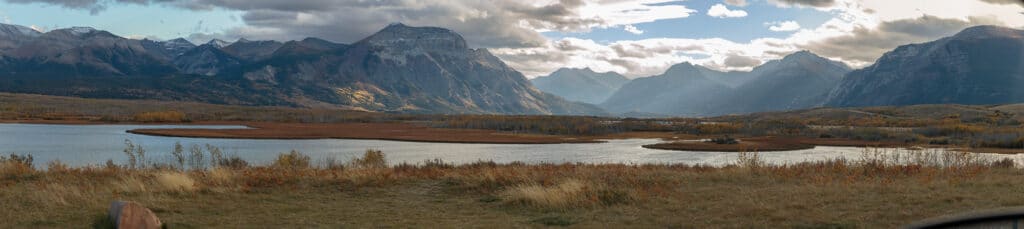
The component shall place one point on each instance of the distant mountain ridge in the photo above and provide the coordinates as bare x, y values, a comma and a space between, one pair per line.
582, 85
399, 69
799, 80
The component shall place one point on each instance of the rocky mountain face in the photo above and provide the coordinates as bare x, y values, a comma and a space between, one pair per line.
582, 85
800, 80
399, 69
252, 50
207, 60
413, 69
14, 36
979, 65
168, 50
85, 51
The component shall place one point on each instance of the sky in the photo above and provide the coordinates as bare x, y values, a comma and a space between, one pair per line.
636, 38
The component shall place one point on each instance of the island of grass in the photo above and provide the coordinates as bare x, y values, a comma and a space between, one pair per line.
770, 144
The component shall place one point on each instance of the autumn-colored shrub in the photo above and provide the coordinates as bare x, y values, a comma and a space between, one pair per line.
160, 116
293, 160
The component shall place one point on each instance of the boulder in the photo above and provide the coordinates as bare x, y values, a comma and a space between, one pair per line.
128, 214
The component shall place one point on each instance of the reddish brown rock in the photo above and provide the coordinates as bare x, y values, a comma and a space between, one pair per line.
132, 215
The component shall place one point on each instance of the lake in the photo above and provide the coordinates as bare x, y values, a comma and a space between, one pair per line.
79, 145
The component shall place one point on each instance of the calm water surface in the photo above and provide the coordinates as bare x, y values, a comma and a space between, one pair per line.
78, 145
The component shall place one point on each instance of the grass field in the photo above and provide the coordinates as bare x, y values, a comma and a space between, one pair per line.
871, 192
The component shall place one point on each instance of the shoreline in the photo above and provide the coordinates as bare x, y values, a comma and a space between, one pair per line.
409, 132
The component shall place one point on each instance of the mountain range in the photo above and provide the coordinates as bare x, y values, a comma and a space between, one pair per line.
800, 80
398, 69
979, 65
582, 85
432, 70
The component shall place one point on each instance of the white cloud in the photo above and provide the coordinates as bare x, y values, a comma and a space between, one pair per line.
632, 29
720, 11
38, 28
783, 26
638, 58
484, 23
740, 3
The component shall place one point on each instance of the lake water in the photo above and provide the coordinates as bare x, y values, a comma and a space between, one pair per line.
79, 145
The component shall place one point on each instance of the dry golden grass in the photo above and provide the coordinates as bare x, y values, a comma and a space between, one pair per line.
569, 193
175, 182
160, 116
874, 191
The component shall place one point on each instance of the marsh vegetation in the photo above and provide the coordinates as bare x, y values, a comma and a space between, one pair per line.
879, 189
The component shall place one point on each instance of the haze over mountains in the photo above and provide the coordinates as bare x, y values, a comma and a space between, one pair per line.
980, 65
432, 70
399, 69
583, 85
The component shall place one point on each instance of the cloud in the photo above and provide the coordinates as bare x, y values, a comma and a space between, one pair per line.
805, 3
639, 58
720, 11
1005, 2
737, 61
864, 44
38, 28
632, 29
783, 26
484, 23
859, 32
740, 3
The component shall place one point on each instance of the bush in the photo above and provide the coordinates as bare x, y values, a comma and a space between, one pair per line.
293, 160
233, 162
16, 165
371, 159
725, 140
160, 116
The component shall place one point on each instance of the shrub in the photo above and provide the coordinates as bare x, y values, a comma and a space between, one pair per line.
179, 154
16, 165
195, 157
331, 163
57, 166
221, 175
371, 159
160, 116
725, 140
233, 162
136, 155
293, 160
1004, 163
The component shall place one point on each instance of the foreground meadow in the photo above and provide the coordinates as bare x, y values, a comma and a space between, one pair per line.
204, 189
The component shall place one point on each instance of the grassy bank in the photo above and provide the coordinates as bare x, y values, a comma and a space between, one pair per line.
294, 191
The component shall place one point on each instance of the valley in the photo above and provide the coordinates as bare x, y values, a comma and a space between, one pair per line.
418, 125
